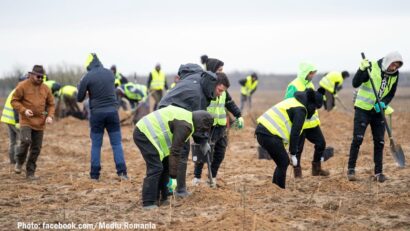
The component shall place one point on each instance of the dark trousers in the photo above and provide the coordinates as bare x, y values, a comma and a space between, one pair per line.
14, 145
276, 149
33, 140
329, 103
315, 136
155, 183
220, 139
246, 99
157, 95
362, 119
99, 121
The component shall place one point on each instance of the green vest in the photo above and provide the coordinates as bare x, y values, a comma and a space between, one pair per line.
365, 97
156, 128
68, 90
249, 86
314, 120
8, 112
158, 80
329, 81
277, 121
130, 91
217, 109
50, 83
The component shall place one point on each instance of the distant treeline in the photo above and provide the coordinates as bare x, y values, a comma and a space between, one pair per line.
71, 74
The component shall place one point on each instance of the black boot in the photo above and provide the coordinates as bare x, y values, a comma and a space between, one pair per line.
317, 170
297, 171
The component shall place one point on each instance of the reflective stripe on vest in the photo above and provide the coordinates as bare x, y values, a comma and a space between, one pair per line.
277, 121
365, 97
8, 116
217, 109
158, 80
249, 86
156, 128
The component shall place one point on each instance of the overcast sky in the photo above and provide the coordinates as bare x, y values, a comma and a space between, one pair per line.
268, 36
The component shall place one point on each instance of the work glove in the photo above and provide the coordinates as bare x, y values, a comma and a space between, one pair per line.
364, 64
377, 108
294, 160
172, 185
17, 125
239, 123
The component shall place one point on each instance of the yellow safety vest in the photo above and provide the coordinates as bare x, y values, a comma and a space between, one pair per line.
329, 81
156, 128
277, 120
365, 96
217, 109
249, 86
8, 112
314, 120
158, 80
68, 90
129, 91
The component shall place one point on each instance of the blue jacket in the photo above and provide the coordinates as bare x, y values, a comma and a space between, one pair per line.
99, 83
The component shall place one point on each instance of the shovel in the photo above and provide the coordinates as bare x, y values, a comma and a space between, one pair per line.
396, 150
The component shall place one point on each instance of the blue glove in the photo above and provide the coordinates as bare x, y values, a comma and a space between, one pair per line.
377, 108
239, 123
172, 185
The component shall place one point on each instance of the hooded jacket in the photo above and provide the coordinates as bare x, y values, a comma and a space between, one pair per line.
194, 91
363, 76
304, 70
99, 83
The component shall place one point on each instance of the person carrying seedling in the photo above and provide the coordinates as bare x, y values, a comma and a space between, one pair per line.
330, 85
311, 127
385, 75
282, 125
160, 136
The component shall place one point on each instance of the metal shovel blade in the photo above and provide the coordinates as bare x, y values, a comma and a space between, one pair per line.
398, 155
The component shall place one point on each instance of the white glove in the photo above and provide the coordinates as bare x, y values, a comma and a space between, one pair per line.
294, 160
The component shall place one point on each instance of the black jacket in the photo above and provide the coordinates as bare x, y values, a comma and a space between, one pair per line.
231, 106
194, 91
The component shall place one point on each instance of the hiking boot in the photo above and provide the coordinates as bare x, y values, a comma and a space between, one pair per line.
297, 171
149, 207
32, 177
183, 193
123, 177
380, 177
317, 170
213, 184
17, 168
351, 175
196, 181
164, 202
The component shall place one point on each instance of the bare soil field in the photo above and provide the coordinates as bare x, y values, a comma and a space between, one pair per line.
245, 198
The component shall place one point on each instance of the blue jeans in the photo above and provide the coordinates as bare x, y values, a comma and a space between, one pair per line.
99, 121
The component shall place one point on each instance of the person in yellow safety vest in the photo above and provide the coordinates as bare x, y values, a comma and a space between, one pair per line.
10, 117
219, 138
119, 78
385, 75
311, 128
330, 85
67, 95
249, 85
176, 80
282, 125
156, 84
133, 92
160, 137
53, 86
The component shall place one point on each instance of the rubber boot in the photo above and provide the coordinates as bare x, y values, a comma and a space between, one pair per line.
297, 171
181, 190
317, 170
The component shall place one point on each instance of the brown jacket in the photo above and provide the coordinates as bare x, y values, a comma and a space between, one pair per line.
37, 98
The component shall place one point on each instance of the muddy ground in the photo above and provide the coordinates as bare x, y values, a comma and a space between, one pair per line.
245, 198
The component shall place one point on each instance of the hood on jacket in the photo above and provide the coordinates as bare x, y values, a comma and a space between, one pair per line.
208, 84
389, 59
212, 65
92, 62
203, 122
304, 70
311, 99
188, 69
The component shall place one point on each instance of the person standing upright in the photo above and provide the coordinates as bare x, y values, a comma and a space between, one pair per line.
385, 75
98, 82
156, 84
35, 104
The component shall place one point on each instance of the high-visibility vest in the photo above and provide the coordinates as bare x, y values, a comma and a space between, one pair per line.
135, 91
68, 90
8, 112
365, 96
158, 80
173, 84
156, 128
329, 81
249, 86
217, 109
277, 120
50, 84
314, 120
